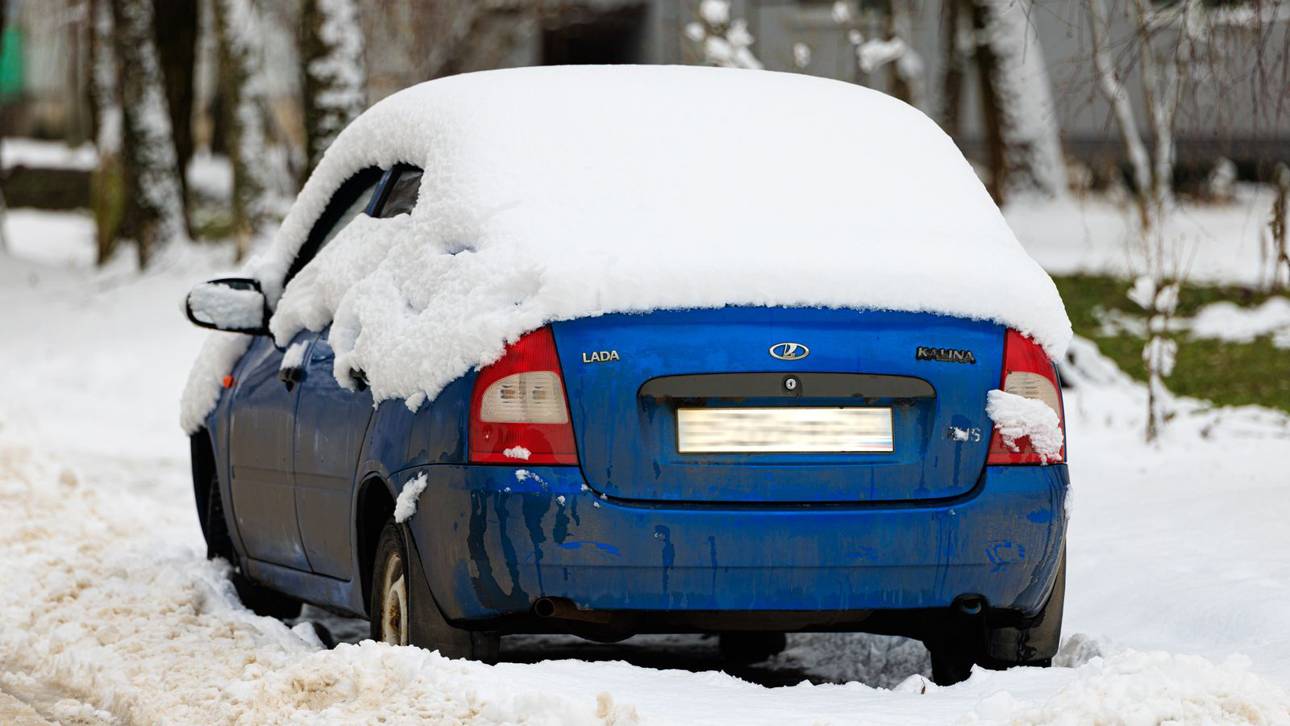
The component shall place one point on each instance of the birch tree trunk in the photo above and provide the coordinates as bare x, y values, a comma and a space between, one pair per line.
334, 83
153, 204
1016, 94
258, 167
1117, 96
1162, 86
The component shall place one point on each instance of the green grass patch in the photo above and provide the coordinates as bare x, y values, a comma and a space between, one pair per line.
1223, 372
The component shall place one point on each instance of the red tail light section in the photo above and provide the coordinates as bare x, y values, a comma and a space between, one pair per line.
1027, 372
519, 413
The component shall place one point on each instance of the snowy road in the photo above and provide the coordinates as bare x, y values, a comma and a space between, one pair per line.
1178, 593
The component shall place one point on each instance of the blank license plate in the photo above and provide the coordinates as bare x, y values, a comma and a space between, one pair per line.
783, 430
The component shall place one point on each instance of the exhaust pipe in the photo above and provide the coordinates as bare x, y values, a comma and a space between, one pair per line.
970, 605
563, 609
545, 607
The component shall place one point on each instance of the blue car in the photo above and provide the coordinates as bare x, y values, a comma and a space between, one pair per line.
742, 471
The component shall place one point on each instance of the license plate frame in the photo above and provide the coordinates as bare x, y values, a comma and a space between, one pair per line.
784, 430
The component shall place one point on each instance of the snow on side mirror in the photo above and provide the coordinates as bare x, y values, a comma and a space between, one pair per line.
231, 304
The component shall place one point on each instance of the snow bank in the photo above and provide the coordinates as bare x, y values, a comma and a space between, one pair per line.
134, 622
1016, 417
50, 238
639, 188
131, 620
1221, 243
1152, 688
1231, 322
35, 153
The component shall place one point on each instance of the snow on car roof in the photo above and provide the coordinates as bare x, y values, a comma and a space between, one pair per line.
561, 192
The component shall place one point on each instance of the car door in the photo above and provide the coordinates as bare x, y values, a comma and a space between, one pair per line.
263, 410
331, 424
260, 429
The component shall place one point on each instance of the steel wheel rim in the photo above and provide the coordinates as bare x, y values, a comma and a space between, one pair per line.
394, 603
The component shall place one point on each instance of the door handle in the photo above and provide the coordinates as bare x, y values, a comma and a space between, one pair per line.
291, 376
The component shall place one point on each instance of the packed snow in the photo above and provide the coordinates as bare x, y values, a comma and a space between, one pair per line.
517, 452
514, 230
233, 308
1177, 604
294, 355
1016, 417
406, 505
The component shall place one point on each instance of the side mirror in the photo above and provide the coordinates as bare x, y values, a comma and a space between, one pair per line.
231, 304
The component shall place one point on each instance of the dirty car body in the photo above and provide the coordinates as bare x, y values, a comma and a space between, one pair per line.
602, 525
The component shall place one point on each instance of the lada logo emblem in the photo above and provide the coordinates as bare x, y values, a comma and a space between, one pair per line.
789, 351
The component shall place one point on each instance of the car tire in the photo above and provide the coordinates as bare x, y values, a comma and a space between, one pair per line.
746, 648
962, 644
257, 598
953, 655
398, 619
1034, 642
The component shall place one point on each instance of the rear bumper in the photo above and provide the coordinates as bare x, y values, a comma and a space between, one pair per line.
492, 540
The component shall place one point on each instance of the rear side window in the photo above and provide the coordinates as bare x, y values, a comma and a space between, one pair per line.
349, 201
400, 192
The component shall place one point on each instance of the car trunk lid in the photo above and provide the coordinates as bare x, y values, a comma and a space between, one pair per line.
780, 405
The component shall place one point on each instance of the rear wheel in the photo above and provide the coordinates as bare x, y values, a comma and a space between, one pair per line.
954, 653
257, 598
394, 604
964, 642
745, 648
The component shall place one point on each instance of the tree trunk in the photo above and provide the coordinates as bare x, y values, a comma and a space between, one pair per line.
106, 195
1279, 231
987, 68
956, 58
1016, 95
334, 83
153, 208
900, 25
256, 181
175, 34
78, 127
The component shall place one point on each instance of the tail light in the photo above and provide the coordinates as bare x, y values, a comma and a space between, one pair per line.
1027, 372
518, 413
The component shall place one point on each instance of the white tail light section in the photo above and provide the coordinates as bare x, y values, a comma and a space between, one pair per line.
518, 413
783, 430
1033, 385
532, 397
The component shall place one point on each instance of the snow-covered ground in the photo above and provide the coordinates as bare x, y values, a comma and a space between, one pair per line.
15, 152
1215, 243
1178, 594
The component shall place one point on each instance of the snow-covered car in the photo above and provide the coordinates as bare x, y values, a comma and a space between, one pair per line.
608, 351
